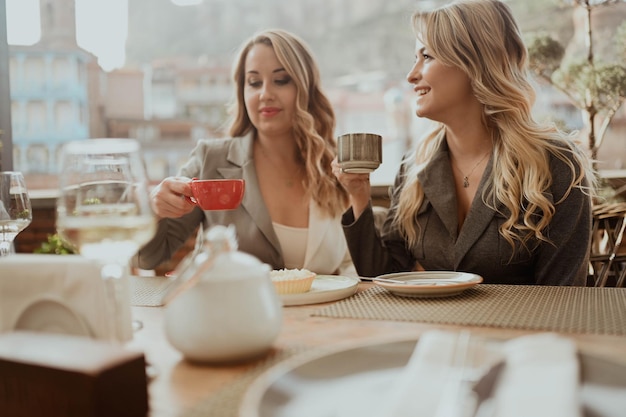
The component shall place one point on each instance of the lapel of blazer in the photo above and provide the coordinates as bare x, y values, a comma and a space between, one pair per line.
437, 179
438, 183
477, 219
240, 156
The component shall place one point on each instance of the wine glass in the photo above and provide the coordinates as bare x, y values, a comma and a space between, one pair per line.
104, 210
15, 210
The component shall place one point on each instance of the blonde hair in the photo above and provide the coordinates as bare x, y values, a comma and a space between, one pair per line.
314, 121
481, 38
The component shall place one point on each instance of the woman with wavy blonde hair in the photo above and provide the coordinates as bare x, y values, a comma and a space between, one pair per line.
281, 143
488, 190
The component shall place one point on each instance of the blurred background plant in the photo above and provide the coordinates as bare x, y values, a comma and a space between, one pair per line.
595, 84
55, 245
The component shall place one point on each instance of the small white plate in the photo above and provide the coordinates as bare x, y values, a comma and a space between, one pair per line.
52, 316
325, 288
426, 284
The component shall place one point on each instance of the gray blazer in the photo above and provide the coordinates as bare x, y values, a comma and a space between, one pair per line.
326, 251
478, 247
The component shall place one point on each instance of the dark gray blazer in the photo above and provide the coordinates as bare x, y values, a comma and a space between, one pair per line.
478, 247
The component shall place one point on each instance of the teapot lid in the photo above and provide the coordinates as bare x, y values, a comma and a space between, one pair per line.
233, 265
221, 238
228, 262
215, 241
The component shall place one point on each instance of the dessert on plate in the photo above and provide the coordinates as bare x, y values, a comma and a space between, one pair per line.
292, 281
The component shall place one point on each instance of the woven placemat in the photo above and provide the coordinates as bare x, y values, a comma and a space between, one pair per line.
528, 307
227, 401
147, 291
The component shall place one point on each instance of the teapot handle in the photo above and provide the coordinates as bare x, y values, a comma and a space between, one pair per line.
217, 240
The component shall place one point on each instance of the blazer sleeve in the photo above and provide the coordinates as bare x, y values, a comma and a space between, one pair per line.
172, 233
377, 252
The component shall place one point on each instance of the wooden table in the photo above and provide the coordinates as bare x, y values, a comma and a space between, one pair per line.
179, 385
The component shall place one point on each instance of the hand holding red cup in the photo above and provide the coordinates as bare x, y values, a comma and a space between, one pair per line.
216, 194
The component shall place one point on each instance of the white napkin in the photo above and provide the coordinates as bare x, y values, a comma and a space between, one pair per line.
540, 378
48, 284
432, 383
417, 390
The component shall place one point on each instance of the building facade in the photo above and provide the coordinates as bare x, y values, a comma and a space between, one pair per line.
55, 91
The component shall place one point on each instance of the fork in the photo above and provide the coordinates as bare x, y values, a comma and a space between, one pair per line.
456, 395
473, 359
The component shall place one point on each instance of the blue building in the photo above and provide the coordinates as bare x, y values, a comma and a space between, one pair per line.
55, 91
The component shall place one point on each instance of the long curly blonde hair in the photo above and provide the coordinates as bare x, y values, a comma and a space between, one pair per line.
482, 38
314, 121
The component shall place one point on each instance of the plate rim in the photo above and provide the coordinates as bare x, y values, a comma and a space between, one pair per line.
417, 289
252, 398
258, 387
407, 274
326, 295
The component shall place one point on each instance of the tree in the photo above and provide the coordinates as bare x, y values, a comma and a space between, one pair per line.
595, 86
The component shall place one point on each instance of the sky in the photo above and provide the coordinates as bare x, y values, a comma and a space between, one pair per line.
101, 27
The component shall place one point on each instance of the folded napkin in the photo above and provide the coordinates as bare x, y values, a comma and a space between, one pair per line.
540, 378
435, 380
61, 294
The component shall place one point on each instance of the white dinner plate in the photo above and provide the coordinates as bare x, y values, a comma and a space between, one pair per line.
52, 316
352, 381
425, 284
325, 288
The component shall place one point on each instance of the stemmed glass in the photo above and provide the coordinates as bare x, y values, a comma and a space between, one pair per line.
104, 211
15, 209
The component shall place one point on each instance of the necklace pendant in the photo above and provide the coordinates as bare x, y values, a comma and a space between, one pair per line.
465, 182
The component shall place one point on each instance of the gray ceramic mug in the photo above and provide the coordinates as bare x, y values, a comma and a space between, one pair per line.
359, 153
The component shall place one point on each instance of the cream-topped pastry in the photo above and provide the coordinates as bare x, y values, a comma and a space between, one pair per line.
292, 281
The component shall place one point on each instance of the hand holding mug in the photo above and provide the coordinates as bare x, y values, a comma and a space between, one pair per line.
357, 185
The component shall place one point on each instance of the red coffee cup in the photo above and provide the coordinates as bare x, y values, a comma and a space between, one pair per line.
223, 194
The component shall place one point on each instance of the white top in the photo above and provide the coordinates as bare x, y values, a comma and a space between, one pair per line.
293, 243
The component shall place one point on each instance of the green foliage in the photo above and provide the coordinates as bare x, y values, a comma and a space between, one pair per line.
612, 85
55, 245
545, 54
602, 86
597, 87
91, 201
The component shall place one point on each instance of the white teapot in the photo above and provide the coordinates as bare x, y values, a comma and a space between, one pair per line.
223, 307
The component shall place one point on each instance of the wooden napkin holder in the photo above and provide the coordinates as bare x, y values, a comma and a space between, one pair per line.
64, 376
